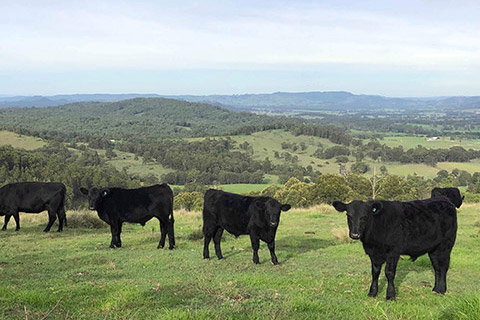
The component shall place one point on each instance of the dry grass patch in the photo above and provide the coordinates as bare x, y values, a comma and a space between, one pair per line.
341, 235
84, 219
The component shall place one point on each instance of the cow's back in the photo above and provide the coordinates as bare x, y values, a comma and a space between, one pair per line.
33, 196
229, 210
138, 205
414, 227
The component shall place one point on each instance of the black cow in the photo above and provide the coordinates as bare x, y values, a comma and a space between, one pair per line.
257, 216
116, 206
33, 197
451, 193
388, 229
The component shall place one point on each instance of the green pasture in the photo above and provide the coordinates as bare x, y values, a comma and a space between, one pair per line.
409, 142
322, 275
135, 167
20, 141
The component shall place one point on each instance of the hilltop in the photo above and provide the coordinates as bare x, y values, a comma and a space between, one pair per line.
278, 101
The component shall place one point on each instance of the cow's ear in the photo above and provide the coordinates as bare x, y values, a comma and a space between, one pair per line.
463, 197
260, 205
105, 192
286, 207
84, 191
339, 206
376, 207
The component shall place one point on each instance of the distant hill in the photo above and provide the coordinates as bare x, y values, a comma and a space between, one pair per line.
278, 101
333, 100
57, 100
139, 117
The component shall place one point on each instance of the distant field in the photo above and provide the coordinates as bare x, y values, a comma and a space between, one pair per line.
137, 167
444, 143
74, 275
242, 188
20, 141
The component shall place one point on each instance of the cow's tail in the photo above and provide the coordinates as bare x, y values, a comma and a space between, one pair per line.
63, 214
171, 211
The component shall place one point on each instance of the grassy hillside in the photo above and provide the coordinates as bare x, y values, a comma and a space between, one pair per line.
20, 141
265, 144
74, 275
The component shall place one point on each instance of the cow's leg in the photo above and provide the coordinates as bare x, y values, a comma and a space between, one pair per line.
118, 243
52, 216
113, 230
208, 233
216, 240
171, 235
255, 246
163, 235
271, 247
16, 216
62, 218
7, 218
440, 262
390, 271
376, 268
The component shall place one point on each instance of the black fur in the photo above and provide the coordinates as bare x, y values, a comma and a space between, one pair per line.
453, 194
116, 206
33, 197
403, 228
257, 216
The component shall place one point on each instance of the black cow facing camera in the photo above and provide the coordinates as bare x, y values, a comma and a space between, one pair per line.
257, 216
388, 229
453, 194
116, 206
33, 197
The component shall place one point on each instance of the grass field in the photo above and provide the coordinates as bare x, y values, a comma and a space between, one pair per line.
444, 143
20, 141
74, 275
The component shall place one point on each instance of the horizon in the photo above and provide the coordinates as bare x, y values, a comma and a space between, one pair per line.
386, 48
160, 95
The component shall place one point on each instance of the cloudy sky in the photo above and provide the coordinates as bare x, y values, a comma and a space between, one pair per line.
392, 48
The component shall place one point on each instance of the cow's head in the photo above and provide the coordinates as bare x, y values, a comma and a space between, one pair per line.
271, 210
95, 196
358, 213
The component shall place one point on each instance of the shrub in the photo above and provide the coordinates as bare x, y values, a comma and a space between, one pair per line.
190, 201
84, 219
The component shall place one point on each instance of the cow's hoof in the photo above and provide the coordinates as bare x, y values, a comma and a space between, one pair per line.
112, 246
4, 228
390, 298
59, 230
171, 248
256, 262
16, 229
46, 230
275, 263
159, 247
439, 291
220, 258
372, 294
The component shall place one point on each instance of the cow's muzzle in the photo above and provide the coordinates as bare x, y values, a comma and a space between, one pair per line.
273, 224
91, 208
355, 236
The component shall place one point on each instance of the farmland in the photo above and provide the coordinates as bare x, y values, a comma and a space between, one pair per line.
74, 275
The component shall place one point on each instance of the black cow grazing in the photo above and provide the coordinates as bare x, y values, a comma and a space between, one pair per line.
257, 216
33, 197
116, 206
451, 193
389, 229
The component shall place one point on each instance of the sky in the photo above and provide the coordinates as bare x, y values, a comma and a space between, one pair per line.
391, 48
